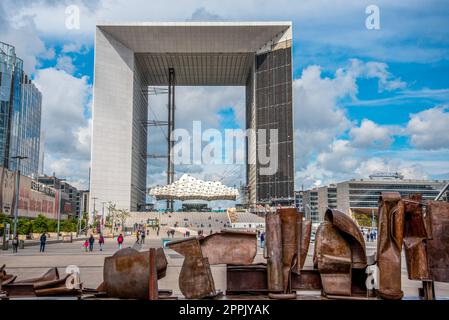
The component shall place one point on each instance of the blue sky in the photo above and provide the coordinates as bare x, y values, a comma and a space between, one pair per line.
364, 100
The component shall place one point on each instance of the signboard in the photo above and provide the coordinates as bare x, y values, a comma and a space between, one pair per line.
34, 198
7, 231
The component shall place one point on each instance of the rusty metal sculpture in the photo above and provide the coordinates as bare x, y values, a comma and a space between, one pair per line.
426, 241
49, 284
417, 230
287, 244
438, 245
389, 244
339, 252
131, 274
226, 247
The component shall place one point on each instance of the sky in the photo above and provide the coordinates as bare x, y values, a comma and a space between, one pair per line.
365, 100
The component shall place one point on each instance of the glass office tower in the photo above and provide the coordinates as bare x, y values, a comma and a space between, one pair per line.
20, 114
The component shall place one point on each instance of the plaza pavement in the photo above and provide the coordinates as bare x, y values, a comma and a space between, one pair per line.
28, 263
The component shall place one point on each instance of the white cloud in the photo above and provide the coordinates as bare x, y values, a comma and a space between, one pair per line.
339, 158
370, 135
65, 63
67, 131
318, 118
429, 129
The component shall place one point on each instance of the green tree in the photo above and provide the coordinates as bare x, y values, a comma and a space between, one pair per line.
68, 226
52, 225
122, 215
40, 224
24, 226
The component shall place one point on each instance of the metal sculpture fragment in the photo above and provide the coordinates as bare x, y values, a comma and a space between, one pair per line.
226, 247
49, 284
287, 243
389, 244
339, 252
426, 241
131, 274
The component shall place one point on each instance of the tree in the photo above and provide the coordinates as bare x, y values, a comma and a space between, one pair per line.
122, 215
24, 226
68, 226
111, 214
40, 224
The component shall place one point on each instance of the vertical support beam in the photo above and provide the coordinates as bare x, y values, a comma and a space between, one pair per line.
171, 128
153, 293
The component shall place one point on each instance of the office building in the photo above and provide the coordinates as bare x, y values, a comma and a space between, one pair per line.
20, 115
361, 196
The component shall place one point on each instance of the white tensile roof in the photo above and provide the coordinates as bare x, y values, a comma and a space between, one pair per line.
190, 188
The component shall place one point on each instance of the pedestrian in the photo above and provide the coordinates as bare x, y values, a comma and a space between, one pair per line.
168, 233
262, 239
142, 241
157, 231
120, 241
91, 243
86, 245
137, 236
15, 243
43, 240
101, 241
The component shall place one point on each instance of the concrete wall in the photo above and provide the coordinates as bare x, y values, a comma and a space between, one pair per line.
112, 136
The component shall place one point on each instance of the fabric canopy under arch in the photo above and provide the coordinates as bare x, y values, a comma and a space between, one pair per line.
190, 188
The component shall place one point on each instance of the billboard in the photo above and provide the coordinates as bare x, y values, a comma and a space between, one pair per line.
34, 198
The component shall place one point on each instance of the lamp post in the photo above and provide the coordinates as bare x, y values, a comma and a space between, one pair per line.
16, 203
94, 214
59, 203
102, 216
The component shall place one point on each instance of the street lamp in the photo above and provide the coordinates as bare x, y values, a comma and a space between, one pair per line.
59, 203
16, 204
94, 215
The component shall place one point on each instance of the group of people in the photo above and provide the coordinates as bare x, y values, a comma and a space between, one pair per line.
88, 245
140, 236
370, 235
171, 232
42, 243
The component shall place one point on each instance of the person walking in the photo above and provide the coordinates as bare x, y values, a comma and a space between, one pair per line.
137, 236
262, 239
86, 245
142, 237
101, 241
43, 241
91, 243
120, 241
157, 231
15, 243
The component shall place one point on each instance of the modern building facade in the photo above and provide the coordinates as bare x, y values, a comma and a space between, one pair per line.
131, 57
20, 114
70, 204
361, 196
327, 198
310, 204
